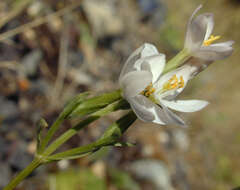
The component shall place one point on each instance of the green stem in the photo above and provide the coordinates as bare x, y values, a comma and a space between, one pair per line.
80, 150
66, 111
71, 132
83, 107
111, 136
28, 170
41, 158
177, 61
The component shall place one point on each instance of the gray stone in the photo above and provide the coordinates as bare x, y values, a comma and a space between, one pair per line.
103, 17
154, 171
31, 61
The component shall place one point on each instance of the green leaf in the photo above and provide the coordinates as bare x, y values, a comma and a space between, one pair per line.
96, 103
41, 125
116, 130
72, 157
71, 105
74, 103
110, 137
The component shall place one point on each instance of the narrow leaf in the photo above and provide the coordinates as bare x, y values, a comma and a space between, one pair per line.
41, 125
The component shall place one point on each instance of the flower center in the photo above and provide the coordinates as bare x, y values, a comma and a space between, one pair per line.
148, 91
211, 40
173, 83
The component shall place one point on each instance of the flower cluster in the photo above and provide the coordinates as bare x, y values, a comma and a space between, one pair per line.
151, 92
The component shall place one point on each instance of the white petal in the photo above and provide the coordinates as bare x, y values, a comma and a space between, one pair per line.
143, 51
188, 38
129, 64
198, 65
146, 110
155, 64
209, 21
135, 82
185, 105
215, 52
185, 71
223, 44
148, 50
173, 119
199, 29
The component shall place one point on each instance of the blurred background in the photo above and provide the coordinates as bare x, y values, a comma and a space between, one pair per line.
52, 50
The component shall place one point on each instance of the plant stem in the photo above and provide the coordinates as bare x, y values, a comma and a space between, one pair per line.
42, 156
110, 137
71, 132
66, 111
28, 170
80, 150
95, 103
177, 61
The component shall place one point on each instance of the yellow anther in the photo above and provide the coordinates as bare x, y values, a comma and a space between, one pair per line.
149, 90
211, 40
181, 83
173, 83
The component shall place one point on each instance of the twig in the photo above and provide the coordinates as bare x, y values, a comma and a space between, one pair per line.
18, 7
63, 58
38, 21
13, 65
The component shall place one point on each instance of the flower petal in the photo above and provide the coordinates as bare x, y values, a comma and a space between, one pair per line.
155, 64
188, 38
215, 52
185, 72
185, 105
173, 119
207, 20
223, 44
146, 110
135, 82
143, 51
199, 29
148, 50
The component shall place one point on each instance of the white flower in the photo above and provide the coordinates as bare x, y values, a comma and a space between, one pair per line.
149, 93
199, 39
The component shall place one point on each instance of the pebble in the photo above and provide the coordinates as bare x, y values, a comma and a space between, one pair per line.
154, 171
103, 16
31, 61
153, 11
19, 158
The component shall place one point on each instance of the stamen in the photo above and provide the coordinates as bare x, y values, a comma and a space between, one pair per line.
173, 83
181, 83
211, 40
149, 90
